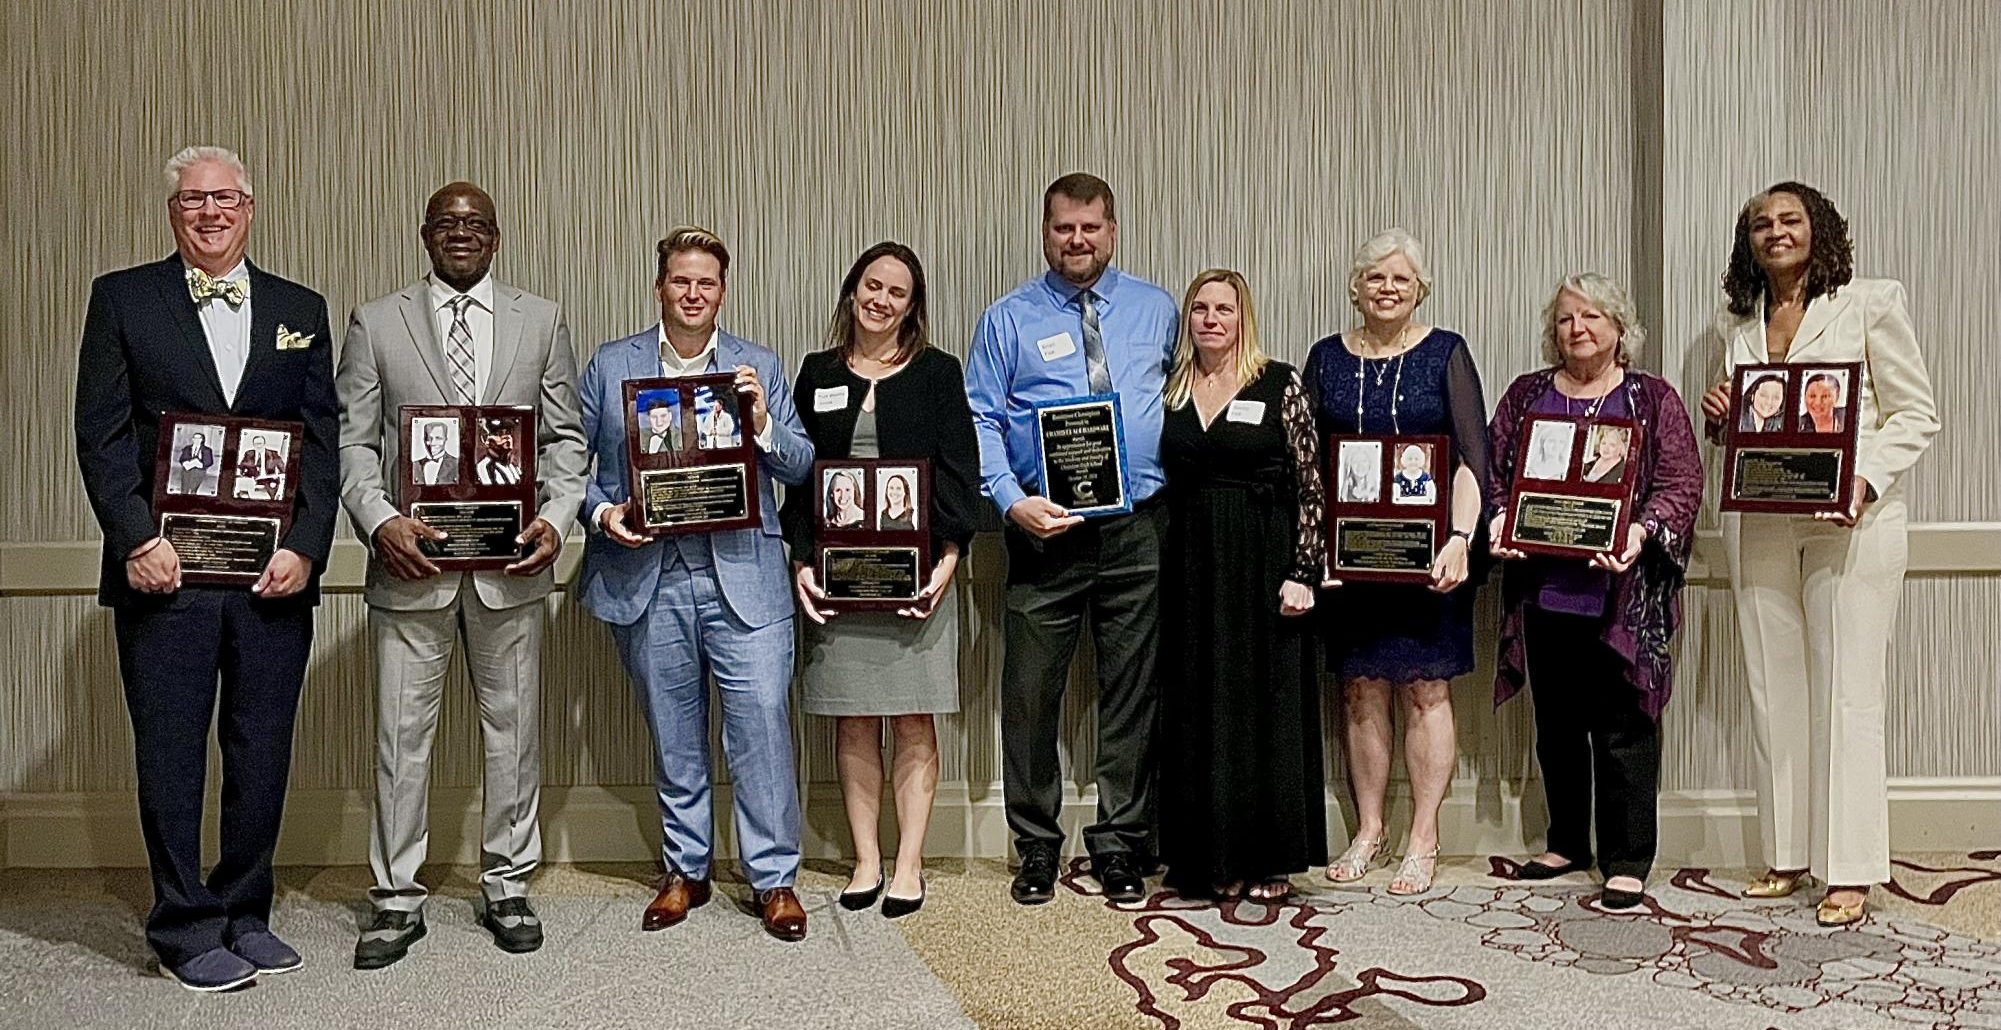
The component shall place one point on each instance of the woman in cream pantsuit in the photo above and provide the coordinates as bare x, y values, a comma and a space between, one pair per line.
1817, 596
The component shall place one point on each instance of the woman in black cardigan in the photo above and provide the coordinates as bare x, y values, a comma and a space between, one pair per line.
879, 390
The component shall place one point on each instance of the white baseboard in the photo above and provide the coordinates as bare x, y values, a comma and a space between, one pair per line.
620, 824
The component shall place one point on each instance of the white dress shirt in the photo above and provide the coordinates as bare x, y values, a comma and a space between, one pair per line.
228, 332
479, 319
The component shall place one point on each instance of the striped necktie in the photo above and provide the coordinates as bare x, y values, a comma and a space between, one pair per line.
458, 352
1094, 346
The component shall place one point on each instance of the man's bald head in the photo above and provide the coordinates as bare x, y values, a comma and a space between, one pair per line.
461, 232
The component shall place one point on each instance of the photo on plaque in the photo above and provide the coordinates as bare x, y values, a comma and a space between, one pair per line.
197, 468
499, 463
261, 459
844, 493
1823, 400
896, 498
1764, 392
1605, 451
222, 492
1413, 483
715, 424
1571, 508
658, 415
1361, 465
1550, 441
434, 451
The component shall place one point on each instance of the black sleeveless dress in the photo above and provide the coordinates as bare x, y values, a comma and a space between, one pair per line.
1240, 764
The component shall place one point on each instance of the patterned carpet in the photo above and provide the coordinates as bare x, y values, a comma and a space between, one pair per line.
1478, 951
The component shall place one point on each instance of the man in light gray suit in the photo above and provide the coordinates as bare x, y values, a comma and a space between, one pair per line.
455, 337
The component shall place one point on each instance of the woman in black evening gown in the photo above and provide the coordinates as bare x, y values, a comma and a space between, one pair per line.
1241, 787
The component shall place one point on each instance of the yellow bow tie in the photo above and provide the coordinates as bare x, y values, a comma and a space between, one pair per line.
203, 286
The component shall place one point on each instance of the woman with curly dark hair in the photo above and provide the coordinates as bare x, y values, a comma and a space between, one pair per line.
1817, 596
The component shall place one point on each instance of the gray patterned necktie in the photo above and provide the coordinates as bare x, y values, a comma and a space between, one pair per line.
458, 351
1094, 345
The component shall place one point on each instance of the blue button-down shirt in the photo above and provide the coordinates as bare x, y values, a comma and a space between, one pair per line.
1007, 375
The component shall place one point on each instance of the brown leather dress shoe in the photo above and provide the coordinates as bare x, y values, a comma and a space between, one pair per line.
784, 917
677, 895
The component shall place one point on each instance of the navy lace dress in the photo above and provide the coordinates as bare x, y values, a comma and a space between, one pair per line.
1394, 631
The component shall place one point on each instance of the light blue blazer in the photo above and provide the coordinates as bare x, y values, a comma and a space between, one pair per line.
619, 581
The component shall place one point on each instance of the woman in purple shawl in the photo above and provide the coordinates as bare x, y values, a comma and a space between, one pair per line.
1599, 660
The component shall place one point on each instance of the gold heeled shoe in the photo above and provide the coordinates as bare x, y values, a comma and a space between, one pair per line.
1828, 913
1775, 884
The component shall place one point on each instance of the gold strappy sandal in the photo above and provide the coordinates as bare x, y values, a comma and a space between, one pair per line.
1415, 873
1354, 863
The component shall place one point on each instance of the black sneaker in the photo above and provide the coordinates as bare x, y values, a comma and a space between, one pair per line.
1036, 882
387, 938
1118, 876
515, 926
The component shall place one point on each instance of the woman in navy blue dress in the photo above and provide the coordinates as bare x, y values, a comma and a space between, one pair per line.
1392, 374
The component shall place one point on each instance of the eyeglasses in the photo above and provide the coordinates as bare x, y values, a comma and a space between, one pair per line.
191, 200
473, 224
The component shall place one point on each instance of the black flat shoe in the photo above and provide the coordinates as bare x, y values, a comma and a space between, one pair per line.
856, 901
1534, 869
1614, 898
894, 907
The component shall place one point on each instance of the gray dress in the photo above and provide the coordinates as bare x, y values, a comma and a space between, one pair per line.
881, 663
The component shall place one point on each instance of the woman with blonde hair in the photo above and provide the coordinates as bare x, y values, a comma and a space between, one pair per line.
1391, 374
1590, 636
1240, 802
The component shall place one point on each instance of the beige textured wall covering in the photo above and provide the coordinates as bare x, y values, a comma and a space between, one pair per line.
1270, 137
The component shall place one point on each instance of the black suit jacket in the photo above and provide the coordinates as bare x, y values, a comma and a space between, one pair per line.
144, 354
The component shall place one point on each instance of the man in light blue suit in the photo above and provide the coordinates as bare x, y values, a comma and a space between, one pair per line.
683, 607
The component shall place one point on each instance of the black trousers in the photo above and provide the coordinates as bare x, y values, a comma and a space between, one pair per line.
1592, 736
1108, 570
172, 655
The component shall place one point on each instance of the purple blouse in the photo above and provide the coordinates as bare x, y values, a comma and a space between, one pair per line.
1645, 606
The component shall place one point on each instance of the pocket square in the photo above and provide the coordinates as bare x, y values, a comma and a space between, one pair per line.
289, 340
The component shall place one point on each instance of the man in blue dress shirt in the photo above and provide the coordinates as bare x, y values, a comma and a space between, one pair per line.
1081, 328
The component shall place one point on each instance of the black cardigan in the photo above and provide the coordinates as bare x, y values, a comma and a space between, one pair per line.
920, 412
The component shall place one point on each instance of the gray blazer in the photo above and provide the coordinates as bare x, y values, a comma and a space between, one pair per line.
393, 358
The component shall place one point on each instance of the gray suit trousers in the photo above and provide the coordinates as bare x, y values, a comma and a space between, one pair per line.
413, 653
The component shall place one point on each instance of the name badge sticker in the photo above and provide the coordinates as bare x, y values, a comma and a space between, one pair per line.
1249, 412
1058, 346
832, 398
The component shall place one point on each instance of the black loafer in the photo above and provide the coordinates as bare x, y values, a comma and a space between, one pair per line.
1119, 877
1534, 869
515, 926
1035, 883
1616, 899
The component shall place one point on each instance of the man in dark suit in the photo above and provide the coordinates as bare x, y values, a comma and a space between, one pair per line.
194, 461
206, 332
